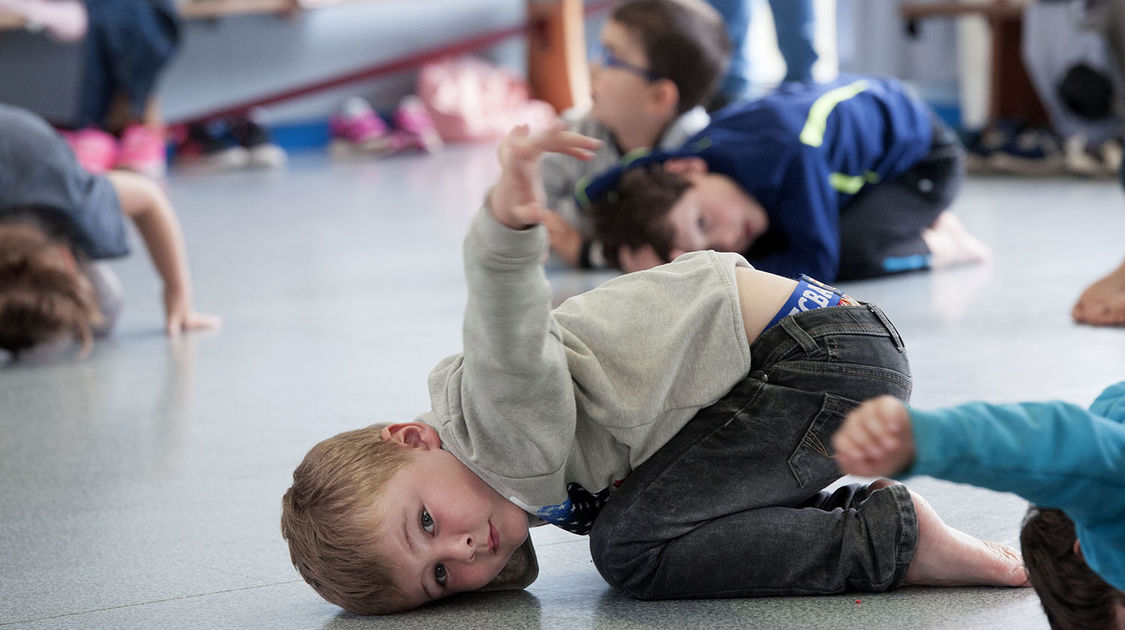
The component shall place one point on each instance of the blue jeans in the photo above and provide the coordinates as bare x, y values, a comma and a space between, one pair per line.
129, 43
734, 506
793, 23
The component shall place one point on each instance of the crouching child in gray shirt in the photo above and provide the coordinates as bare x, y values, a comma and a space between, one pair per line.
679, 416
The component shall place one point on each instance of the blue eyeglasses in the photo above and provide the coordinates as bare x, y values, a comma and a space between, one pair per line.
603, 57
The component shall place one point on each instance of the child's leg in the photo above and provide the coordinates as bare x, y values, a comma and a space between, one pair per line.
132, 41
731, 506
903, 225
1103, 303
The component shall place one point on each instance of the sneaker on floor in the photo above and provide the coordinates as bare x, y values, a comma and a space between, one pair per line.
210, 145
95, 149
144, 151
358, 130
259, 145
1030, 152
415, 127
1083, 159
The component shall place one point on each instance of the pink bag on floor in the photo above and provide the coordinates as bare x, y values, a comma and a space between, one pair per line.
473, 100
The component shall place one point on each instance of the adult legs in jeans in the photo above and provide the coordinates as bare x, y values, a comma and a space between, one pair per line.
733, 505
793, 24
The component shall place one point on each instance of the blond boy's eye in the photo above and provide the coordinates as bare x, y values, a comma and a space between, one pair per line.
440, 574
427, 522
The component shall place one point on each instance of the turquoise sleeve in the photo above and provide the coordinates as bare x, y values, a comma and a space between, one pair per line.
1053, 453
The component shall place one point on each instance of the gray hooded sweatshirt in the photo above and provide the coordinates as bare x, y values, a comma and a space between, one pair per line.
551, 408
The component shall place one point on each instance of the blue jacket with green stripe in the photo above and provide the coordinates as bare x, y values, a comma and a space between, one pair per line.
804, 152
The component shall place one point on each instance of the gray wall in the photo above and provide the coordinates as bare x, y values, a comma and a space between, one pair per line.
233, 59
872, 39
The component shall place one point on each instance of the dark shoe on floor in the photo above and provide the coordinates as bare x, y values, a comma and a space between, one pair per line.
258, 143
210, 145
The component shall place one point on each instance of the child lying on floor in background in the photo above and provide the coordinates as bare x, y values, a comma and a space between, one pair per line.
57, 221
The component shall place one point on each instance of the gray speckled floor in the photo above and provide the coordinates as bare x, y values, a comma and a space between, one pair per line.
140, 487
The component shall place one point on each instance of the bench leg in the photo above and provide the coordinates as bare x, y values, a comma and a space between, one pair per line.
556, 50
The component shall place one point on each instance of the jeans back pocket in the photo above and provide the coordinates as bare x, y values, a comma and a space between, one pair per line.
813, 461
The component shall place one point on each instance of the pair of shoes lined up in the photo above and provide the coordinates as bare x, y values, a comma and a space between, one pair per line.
358, 131
1012, 147
228, 144
142, 149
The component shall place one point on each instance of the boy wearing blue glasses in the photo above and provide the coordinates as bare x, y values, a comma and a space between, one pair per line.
656, 63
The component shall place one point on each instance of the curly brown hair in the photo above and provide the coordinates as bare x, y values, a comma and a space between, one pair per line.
1073, 596
329, 517
685, 42
43, 294
635, 212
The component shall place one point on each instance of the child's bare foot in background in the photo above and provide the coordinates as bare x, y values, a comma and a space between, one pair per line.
1103, 303
951, 244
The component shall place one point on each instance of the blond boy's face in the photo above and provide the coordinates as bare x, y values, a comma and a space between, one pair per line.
619, 95
442, 527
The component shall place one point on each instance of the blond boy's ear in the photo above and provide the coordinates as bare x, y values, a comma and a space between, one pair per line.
413, 434
687, 166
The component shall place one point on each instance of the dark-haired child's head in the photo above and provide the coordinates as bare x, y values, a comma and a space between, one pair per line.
675, 207
1073, 596
660, 58
382, 519
44, 296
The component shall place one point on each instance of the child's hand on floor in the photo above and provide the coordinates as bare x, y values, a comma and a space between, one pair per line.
517, 200
179, 316
876, 439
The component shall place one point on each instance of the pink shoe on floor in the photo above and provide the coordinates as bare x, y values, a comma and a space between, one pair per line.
358, 130
416, 129
144, 151
95, 149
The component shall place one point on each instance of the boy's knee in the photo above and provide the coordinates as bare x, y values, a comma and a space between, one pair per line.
622, 563
602, 551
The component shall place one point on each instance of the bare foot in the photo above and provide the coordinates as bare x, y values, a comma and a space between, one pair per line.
1103, 303
951, 244
950, 557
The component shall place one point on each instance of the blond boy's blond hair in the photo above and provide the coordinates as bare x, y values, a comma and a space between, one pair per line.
326, 519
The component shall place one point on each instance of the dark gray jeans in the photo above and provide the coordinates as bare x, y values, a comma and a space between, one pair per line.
734, 506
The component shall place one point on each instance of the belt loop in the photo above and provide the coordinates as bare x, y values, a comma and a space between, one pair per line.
804, 339
883, 319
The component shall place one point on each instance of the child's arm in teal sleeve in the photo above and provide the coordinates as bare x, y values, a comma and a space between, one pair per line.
1053, 454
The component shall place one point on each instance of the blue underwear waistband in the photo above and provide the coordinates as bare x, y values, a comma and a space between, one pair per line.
808, 295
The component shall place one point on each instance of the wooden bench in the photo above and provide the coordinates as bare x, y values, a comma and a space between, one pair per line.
10, 21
